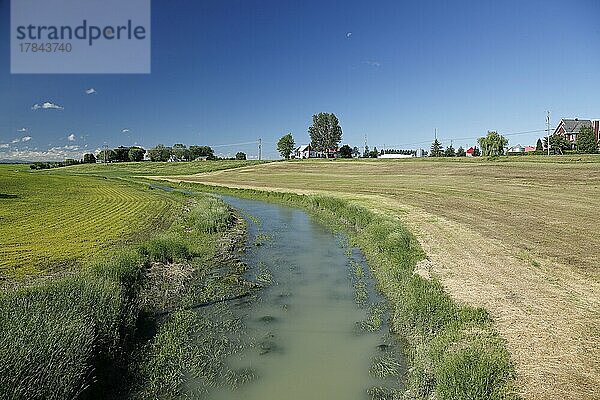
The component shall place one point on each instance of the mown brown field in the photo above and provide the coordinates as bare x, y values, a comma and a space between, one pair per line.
519, 236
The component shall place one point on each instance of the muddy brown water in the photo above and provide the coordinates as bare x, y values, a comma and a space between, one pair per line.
302, 331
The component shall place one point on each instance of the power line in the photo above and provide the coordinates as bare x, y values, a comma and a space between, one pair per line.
469, 138
232, 144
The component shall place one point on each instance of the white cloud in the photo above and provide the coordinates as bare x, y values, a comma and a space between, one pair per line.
22, 130
15, 140
25, 138
51, 154
91, 91
348, 35
375, 64
4, 145
47, 105
126, 130
72, 137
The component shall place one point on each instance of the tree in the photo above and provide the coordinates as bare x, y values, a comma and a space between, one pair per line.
558, 143
106, 156
89, 158
240, 156
461, 152
539, 146
121, 154
436, 149
586, 141
180, 152
159, 153
285, 145
476, 151
355, 152
450, 152
136, 154
492, 144
201, 151
325, 132
374, 153
346, 151
366, 152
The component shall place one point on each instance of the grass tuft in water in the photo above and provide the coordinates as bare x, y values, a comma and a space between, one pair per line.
384, 366
384, 393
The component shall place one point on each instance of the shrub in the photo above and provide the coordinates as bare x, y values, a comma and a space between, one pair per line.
166, 248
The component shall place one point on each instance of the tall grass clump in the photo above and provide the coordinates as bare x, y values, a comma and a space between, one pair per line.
214, 216
57, 338
453, 349
72, 337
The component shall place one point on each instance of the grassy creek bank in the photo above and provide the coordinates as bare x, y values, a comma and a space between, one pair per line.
453, 350
120, 328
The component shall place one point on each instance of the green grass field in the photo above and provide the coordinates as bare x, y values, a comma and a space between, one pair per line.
153, 168
49, 221
57, 218
516, 235
103, 251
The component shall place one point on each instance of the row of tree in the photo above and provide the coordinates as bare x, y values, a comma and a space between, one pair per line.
119, 154
437, 150
56, 164
178, 152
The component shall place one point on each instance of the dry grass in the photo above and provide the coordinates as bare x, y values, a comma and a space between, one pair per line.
517, 237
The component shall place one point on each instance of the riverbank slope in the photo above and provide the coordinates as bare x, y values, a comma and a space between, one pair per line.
514, 236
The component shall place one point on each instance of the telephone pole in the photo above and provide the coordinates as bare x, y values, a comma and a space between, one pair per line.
548, 129
259, 149
105, 152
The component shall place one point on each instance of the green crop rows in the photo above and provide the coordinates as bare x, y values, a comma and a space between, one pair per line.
60, 220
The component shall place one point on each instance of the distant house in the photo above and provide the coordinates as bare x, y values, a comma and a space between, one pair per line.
470, 151
570, 128
304, 151
529, 149
516, 149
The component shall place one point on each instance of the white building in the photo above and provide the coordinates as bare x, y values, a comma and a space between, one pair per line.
395, 156
304, 151
516, 149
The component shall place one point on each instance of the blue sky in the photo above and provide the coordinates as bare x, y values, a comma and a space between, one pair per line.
228, 72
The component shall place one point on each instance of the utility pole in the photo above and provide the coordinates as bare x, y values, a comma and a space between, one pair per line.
259, 149
365, 148
105, 152
548, 129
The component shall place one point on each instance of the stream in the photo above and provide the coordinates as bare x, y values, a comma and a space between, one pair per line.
318, 329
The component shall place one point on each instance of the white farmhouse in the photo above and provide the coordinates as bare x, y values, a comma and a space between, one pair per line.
304, 151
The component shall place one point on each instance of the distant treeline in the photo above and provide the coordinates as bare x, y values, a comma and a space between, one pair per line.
57, 164
178, 152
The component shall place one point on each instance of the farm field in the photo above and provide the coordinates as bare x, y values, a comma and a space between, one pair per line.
59, 217
517, 236
154, 168
49, 221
